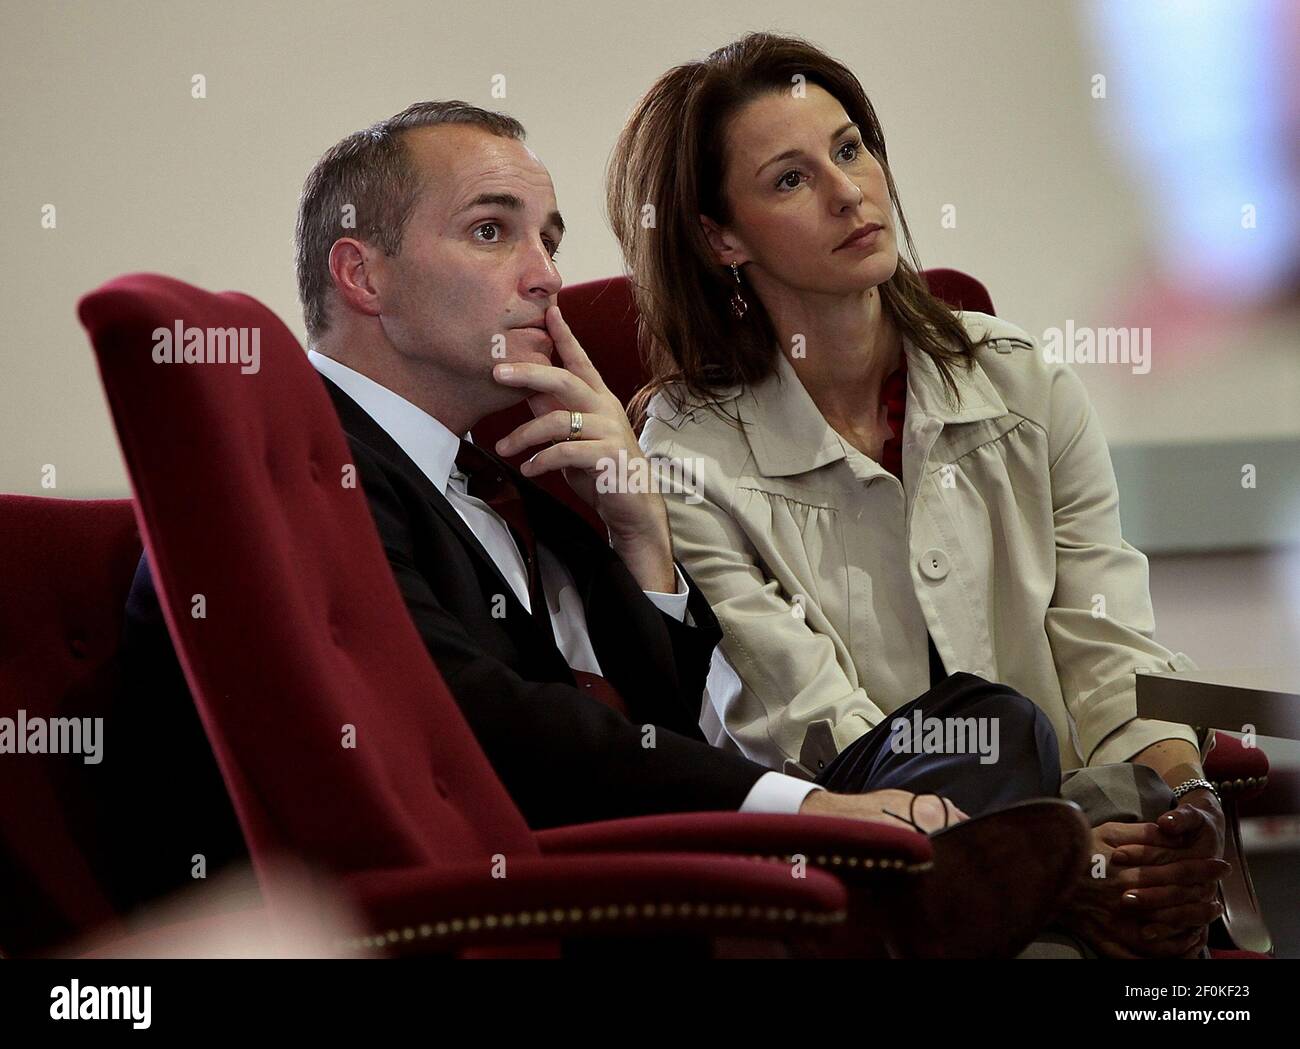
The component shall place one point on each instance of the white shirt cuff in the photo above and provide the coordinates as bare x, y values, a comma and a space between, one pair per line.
777, 793
672, 604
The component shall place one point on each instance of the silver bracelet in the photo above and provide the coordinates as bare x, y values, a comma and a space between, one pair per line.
1195, 784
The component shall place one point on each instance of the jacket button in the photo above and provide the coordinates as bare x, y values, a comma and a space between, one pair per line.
934, 563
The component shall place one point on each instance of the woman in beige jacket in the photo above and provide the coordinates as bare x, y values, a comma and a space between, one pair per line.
752, 198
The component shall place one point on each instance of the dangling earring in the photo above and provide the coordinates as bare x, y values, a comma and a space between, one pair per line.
738, 304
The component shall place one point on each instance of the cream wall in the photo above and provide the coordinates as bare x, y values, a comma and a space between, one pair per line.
986, 105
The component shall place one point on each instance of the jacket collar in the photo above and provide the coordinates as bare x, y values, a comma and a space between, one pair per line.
425, 440
788, 434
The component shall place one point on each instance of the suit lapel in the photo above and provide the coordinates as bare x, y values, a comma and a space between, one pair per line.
627, 632
360, 426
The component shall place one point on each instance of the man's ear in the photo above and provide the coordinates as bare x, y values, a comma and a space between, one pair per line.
726, 248
352, 278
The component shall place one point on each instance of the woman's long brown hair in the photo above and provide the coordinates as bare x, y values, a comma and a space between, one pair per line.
668, 168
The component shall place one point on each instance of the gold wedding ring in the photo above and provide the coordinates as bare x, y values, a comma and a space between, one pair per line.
575, 426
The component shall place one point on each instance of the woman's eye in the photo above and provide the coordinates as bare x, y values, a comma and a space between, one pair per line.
853, 148
784, 181
489, 225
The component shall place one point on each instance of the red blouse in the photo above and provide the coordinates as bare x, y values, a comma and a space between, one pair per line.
894, 397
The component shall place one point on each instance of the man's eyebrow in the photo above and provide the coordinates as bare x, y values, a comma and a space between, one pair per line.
500, 200
797, 152
511, 203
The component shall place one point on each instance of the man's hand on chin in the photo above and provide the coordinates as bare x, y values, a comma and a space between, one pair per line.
592, 443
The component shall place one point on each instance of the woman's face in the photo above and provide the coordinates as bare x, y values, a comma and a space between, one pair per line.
800, 183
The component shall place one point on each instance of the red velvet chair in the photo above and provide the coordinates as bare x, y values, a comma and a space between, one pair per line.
603, 316
240, 495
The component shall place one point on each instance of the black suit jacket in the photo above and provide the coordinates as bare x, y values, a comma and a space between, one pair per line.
563, 756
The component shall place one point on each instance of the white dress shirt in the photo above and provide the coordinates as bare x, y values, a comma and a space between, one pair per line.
433, 448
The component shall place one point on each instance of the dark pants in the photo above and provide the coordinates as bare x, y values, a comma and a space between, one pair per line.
971, 713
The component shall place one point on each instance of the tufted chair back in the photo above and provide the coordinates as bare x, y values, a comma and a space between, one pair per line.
350, 755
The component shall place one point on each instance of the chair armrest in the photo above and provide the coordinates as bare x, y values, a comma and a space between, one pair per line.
846, 847
446, 909
1236, 770
1239, 773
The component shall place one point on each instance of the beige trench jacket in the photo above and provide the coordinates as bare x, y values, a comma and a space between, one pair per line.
824, 571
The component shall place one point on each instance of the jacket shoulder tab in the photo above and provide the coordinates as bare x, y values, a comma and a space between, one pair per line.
1000, 335
675, 407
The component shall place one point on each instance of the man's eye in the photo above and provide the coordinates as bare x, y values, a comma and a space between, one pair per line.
553, 248
784, 180
489, 225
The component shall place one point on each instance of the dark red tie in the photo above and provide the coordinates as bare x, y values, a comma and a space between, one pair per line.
599, 688
487, 481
